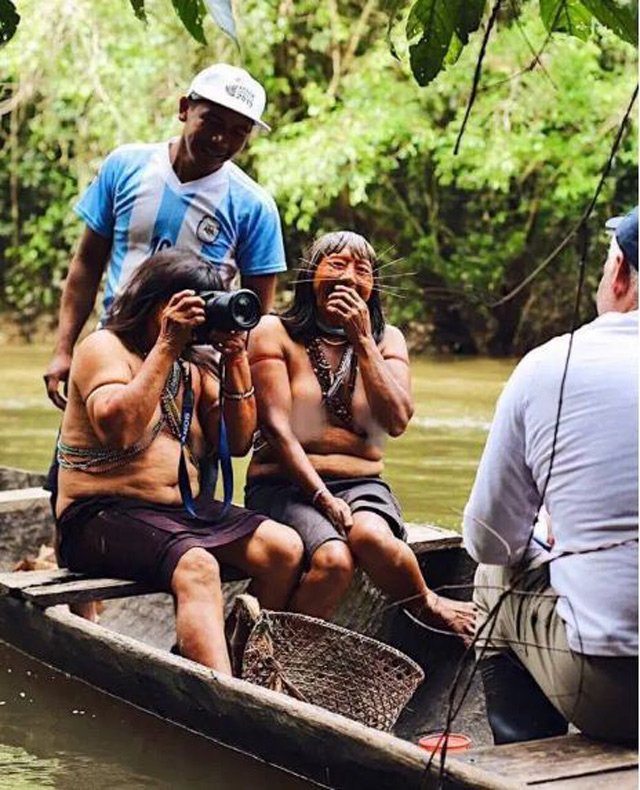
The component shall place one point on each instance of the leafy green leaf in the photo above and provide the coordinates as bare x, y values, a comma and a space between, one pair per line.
454, 51
9, 19
469, 16
444, 27
426, 62
574, 17
222, 13
566, 16
139, 9
620, 16
191, 14
435, 20
432, 18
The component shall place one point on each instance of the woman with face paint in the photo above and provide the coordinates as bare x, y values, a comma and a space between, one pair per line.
332, 381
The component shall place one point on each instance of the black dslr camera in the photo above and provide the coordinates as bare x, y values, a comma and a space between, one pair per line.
228, 310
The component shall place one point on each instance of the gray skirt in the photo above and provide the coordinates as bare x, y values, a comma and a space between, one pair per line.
282, 501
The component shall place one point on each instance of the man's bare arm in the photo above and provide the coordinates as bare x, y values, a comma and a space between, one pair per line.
264, 285
78, 298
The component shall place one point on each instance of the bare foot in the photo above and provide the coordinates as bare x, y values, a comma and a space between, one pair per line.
455, 617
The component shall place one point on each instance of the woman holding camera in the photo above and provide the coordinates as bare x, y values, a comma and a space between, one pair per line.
121, 509
332, 381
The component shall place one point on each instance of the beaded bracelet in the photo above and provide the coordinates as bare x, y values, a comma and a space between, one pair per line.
238, 395
317, 494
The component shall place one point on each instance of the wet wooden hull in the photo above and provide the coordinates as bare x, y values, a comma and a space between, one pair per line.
325, 747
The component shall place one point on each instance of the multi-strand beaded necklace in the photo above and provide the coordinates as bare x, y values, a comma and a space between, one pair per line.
103, 459
337, 388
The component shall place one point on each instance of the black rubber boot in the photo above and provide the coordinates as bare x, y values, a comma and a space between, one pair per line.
517, 708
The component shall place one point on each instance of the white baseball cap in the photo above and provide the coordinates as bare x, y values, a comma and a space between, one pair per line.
234, 88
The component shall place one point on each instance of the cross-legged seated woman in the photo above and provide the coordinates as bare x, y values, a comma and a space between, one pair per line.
332, 381
120, 506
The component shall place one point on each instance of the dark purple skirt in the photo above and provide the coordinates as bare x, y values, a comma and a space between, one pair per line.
129, 538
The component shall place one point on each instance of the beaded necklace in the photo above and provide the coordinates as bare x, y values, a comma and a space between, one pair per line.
336, 343
171, 415
337, 388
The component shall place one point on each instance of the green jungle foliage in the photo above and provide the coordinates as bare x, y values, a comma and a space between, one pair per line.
356, 143
438, 29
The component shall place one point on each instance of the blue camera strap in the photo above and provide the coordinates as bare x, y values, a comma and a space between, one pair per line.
221, 460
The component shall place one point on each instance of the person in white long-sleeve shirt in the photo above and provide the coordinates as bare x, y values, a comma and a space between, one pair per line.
564, 644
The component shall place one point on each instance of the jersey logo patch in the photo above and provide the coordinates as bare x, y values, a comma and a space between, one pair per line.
207, 230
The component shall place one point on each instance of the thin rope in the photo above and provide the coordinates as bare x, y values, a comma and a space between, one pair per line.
478, 73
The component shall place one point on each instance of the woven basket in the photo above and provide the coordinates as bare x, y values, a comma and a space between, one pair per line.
327, 665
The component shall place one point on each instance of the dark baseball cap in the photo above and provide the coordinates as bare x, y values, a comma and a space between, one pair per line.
625, 229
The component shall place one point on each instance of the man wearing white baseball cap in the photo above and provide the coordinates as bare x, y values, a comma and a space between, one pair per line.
186, 193
234, 88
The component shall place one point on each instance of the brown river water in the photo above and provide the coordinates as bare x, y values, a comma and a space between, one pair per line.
58, 733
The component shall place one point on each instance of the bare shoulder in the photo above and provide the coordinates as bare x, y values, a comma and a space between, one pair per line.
101, 358
393, 343
270, 324
269, 337
102, 342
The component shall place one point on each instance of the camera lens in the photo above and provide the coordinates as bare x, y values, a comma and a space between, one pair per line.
228, 311
245, 308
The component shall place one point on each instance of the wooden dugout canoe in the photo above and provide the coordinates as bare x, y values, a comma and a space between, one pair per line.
127, 656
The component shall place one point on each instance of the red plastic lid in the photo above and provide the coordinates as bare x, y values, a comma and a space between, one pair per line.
456, 742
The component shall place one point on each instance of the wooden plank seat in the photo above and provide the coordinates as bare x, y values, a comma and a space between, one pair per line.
568, 762
22, 498
425, 538
62, 586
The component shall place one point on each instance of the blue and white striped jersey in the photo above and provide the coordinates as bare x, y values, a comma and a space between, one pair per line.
139, 202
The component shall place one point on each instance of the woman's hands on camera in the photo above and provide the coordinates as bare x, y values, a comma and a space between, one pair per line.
230, 344
182, 313
336, 510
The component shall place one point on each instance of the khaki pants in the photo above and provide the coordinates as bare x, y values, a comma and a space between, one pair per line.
598, 695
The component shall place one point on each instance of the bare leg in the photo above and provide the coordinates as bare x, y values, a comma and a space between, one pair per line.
199, 610
272, 556
326, 581
393, 567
